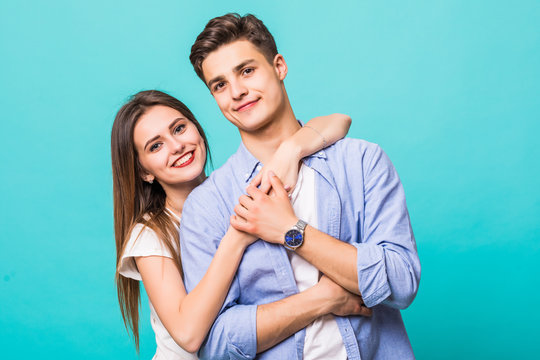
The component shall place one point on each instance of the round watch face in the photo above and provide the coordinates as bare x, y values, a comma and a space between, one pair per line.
293, 238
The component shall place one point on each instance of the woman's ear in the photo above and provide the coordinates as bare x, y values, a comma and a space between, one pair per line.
149, 178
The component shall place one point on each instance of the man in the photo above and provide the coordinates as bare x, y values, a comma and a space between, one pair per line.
350, 191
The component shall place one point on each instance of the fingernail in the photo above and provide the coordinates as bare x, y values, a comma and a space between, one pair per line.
287, 187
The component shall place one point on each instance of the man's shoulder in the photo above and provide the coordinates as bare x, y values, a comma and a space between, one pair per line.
210, 191
351, 148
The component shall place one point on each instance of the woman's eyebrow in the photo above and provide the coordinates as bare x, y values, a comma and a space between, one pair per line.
175, 121
149, 141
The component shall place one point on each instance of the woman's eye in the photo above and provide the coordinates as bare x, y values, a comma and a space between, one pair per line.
154, 147
179, 128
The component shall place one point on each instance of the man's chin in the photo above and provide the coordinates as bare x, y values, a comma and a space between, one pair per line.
250, 125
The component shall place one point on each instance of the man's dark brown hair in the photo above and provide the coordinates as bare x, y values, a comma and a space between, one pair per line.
226, 29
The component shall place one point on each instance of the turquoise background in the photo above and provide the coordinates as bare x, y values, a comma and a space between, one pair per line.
449, 89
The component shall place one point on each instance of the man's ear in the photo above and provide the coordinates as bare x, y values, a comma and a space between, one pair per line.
280, 67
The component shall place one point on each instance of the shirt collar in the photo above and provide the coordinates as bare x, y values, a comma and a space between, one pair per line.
249, 165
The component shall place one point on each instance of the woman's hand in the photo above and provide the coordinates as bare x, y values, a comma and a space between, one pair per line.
242, 238
285, 164
340, 301
268, 217
318, 133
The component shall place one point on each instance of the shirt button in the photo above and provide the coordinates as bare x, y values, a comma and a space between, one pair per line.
259, 167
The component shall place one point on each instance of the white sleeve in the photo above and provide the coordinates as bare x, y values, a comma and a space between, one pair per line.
142, 242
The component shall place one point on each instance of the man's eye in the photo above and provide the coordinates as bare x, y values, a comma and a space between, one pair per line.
179, 129
154, 147
248, 71
219, 86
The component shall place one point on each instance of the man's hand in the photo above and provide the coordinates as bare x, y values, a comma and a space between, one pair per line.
266, 216
340, 301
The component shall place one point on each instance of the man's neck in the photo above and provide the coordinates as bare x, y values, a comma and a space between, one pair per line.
264, 142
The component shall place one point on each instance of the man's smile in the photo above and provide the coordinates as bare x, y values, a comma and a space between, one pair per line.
247, 105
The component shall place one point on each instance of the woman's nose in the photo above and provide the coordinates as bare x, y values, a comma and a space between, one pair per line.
177, 147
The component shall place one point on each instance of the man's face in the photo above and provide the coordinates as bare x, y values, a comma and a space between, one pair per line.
247, 88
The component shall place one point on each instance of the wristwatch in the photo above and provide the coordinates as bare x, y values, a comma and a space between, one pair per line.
294, 238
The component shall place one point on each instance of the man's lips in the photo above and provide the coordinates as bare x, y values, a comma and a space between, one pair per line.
247, 105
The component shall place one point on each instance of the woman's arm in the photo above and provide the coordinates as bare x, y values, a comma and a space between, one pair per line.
188, 318
318, 133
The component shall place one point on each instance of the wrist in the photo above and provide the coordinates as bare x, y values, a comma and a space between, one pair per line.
320, 296
292, 149
237, 239
294, 236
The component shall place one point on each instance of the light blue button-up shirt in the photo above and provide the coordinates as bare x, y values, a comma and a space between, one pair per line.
360, 201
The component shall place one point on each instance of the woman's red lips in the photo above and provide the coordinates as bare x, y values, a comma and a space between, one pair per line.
186, 163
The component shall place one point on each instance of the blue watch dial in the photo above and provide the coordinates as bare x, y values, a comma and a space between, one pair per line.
293, 238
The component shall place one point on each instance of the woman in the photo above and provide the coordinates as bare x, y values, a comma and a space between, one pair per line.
159, 151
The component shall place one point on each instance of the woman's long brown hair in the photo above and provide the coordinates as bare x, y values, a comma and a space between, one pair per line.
137, 201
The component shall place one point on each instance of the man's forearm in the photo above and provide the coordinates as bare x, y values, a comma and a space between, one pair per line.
278, 320
334, 258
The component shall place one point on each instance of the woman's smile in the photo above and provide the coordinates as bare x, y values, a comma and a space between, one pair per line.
184, 160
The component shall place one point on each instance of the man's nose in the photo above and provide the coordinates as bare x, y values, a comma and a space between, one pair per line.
238, 90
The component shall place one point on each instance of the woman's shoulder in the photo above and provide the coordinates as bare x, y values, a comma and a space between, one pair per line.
142, 236
143, 241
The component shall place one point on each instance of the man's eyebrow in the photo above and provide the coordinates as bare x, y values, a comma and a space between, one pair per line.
242, 64
214, 80
149, 141
235, 69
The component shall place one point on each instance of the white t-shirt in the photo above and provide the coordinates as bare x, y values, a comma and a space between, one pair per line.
148, 244
323, 339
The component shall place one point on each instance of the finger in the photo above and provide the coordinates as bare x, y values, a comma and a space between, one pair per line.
238, 223
277, 185
265, 184
254, 192
289, 189
365, 311
257, 180
245, 201
241, 211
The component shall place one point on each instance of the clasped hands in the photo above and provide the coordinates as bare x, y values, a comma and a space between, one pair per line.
267, 213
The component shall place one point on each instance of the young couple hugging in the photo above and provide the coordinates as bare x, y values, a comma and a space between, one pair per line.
298, 247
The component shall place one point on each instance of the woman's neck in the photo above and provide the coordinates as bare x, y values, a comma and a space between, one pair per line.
177, 195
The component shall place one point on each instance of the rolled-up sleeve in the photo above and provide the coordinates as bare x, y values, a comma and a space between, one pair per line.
233, 335
387, 259
204, 223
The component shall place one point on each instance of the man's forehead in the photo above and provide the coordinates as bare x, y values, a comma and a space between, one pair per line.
228, 56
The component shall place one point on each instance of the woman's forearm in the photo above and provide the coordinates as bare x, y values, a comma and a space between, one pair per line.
201, 306
188, 318
318, 133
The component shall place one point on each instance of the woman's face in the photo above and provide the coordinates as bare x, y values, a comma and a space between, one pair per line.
169, 147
